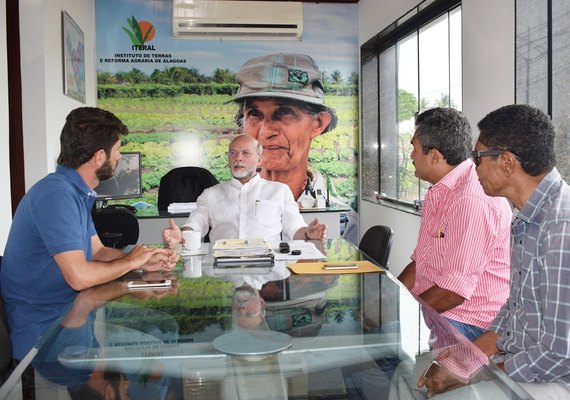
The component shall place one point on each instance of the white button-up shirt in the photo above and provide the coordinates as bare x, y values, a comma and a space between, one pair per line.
258, 209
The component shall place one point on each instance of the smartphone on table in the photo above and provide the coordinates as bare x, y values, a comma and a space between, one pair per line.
141, 284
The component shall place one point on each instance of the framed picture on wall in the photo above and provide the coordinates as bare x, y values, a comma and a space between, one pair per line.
73, 59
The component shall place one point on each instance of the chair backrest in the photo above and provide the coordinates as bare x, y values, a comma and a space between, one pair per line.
183, 185
376, 244
5, 343
116, 227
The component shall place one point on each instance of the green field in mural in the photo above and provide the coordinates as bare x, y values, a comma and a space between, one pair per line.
191, 129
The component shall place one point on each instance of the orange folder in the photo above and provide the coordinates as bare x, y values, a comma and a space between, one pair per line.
340, 267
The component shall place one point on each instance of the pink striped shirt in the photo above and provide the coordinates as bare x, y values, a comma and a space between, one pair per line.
463, 246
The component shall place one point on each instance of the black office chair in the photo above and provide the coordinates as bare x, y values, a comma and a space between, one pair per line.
116, 227
183, 185
377, 243
6, 365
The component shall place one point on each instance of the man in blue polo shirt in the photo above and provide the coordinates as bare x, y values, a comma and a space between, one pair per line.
53, 250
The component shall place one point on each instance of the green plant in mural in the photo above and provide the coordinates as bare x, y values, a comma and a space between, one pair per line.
140, 32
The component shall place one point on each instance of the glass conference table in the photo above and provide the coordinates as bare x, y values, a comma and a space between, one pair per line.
338, 335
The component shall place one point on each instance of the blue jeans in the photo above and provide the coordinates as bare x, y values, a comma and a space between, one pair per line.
469, 331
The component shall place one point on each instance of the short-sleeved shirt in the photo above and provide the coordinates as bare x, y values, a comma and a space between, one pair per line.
258, 209
534, 325
56, 342
53, 217
463, 246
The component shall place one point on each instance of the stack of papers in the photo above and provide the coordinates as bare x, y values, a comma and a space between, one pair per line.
177, 208
242, 253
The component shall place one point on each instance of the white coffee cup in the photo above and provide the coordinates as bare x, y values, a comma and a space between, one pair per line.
192, 240
193, 267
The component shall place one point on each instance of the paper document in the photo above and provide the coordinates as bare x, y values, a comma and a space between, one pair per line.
308, 251
175, 208
241, 248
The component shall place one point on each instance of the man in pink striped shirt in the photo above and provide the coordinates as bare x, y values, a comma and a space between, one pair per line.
460, 265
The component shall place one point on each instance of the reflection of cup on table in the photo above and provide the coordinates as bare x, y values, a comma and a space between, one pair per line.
199, 386
193, 267
191, 240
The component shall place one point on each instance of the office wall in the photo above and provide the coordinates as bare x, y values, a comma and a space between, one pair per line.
488, 82
5, 203
488, 57
375, 15
45, 106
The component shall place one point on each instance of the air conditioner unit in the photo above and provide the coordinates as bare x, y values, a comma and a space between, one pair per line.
227, 19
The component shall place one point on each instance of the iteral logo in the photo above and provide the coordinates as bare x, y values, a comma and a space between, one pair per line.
140, 33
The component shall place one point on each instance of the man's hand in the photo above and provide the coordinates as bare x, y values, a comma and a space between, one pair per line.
316, 230
438, 380
172, 235
140, 255
165, 260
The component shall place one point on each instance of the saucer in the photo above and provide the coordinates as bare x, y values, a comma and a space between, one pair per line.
252, 343
202, 250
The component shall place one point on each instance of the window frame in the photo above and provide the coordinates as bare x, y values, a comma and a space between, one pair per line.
541, 67
412, 22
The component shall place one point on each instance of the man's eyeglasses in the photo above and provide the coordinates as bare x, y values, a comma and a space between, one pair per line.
477, 154
245, 153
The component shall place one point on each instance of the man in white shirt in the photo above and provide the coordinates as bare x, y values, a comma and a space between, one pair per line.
247, 206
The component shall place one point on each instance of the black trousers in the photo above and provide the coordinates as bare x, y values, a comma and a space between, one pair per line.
28, 382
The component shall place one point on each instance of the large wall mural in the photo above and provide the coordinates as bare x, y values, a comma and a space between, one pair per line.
176, 95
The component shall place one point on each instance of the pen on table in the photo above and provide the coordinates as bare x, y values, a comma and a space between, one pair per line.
340, 266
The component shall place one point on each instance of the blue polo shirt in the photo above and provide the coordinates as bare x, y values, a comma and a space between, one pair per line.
67, 342
53, 217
